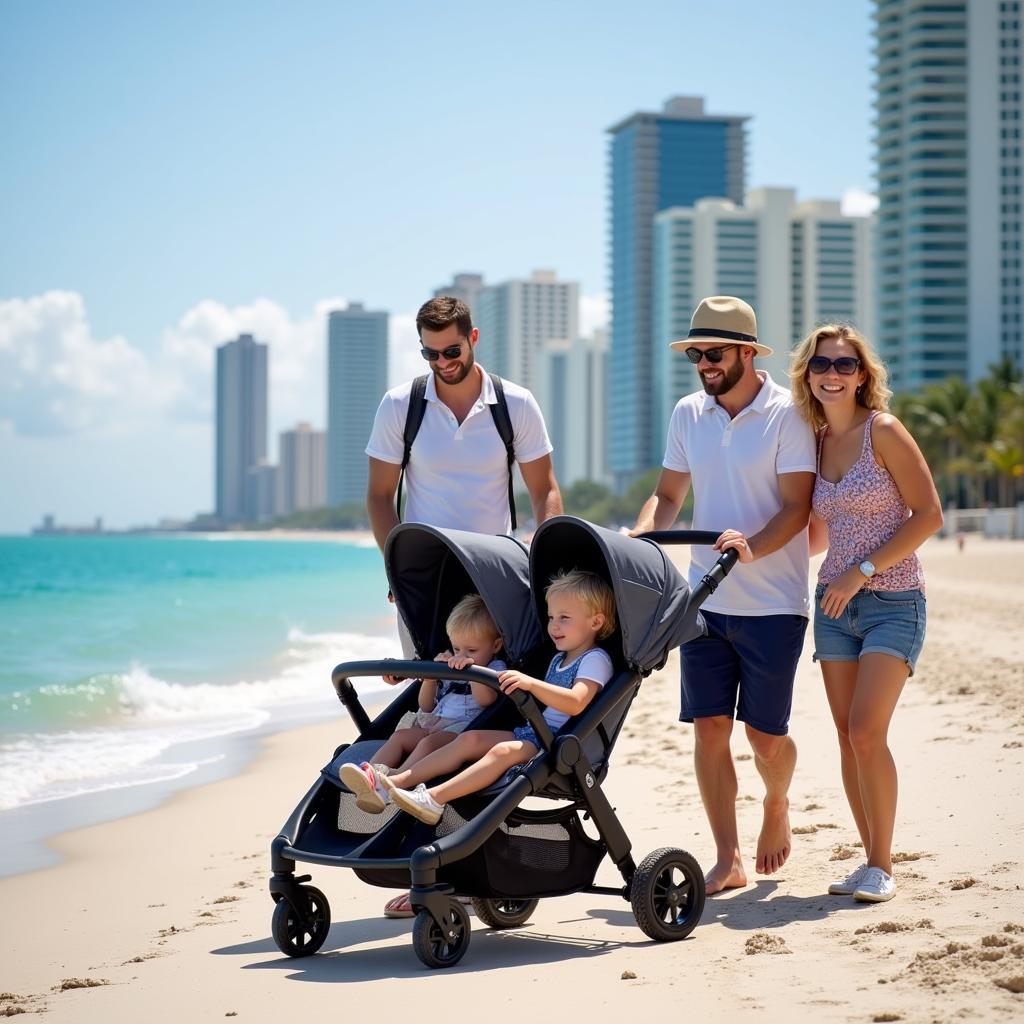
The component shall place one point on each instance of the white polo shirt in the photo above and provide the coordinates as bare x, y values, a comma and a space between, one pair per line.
734, 466
457, 477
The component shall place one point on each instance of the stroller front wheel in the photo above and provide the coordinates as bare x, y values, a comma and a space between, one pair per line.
442, 947
301, 931
667, 894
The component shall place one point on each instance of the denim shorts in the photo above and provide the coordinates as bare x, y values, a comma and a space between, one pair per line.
527, 735
743, 667
874, 622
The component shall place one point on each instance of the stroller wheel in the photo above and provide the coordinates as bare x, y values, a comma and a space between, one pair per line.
504, 913
667, 894
301, 933
442, 948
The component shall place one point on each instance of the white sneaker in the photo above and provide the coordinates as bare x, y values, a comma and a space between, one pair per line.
364, 782
876, 887
848, 886
419, 803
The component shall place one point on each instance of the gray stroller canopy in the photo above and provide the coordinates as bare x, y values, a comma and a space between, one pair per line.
651, 595
430, 570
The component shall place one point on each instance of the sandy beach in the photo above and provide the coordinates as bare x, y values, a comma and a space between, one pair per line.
166, 915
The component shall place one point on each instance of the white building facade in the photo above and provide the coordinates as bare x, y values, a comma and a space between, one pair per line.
797, 264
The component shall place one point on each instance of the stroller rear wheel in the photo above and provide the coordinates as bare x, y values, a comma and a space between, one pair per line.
442, 947
301, 932
504, 913
667, 894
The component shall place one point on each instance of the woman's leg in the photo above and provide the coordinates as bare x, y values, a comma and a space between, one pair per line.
487, 769
402, 741
467, 746
880, 681
431, 742
840, 686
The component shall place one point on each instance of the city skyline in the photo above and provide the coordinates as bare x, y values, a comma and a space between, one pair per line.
148, 226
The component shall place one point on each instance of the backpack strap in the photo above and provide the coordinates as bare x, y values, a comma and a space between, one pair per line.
503, 422
413, 420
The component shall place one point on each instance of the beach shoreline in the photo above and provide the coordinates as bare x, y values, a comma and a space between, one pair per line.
178, 892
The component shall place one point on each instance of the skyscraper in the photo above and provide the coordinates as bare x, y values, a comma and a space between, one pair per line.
357, 375
466, 287
948, 162
303, 469
657, 160
573, 397
241, 422
719, 248
518, 318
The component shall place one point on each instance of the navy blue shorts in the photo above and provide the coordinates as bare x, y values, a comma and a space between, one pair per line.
743, 668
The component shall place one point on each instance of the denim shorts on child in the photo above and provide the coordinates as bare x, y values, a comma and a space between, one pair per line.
875, 621
744, 667
431, 723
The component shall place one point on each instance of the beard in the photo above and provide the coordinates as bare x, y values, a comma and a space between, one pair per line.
730, 377
460, 376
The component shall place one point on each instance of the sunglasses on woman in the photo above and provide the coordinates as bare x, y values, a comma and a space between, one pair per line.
846, 365
712, 355
432, 354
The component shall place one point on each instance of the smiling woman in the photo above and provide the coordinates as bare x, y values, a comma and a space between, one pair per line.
874, 496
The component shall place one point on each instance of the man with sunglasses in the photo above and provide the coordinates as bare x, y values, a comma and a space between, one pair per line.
750, 458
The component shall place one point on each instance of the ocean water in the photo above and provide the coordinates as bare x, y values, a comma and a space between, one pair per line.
132, 661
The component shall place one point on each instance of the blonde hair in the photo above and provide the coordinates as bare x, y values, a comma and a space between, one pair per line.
471, 616
595, 594
874, 393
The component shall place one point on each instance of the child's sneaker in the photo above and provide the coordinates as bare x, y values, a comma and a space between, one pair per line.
877, 886
849, 884
364, 782
419, 803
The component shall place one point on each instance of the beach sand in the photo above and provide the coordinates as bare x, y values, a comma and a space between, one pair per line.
166, 915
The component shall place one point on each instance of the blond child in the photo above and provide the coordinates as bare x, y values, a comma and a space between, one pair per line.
581, 612
446, 706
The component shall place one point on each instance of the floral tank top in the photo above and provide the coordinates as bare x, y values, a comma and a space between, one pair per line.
862, 511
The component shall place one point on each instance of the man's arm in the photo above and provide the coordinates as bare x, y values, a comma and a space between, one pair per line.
545, 497
380, 498
795, 489
661, 509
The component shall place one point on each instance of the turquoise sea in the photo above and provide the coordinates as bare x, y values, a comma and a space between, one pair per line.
127, 661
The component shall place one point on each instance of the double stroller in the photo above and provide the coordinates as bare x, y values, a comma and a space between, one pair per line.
488, 846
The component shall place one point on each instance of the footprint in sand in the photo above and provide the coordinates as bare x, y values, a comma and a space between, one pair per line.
765, 942
226, 899
903, 858
70, 983
804, 830
963, 883
841, 852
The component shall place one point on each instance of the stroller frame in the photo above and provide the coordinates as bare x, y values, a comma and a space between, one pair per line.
562, 770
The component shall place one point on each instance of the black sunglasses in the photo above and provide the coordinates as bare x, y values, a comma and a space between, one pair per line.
846, 365
432, 354
712, 355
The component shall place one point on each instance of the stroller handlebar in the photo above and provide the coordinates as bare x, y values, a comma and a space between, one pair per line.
680, 536
342, 675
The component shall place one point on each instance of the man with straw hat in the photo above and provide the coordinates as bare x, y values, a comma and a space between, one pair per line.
750, 458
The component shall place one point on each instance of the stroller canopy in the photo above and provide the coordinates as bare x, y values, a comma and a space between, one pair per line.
651, 595
430, 570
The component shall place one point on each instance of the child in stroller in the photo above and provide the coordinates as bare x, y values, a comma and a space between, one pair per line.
487, 845
581, 611
446, 706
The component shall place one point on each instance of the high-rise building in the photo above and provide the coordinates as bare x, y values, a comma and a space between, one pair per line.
518, 318
241, 422
657, 161
573, 398
302, 477
262, 487
719, 248
466, 287
357, 375
948, 162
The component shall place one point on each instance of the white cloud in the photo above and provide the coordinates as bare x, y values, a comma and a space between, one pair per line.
595, 312
856, 202
404, 359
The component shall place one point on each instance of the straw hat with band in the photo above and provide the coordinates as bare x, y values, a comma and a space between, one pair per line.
726, 319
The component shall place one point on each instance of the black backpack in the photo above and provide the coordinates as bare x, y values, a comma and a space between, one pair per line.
502, 421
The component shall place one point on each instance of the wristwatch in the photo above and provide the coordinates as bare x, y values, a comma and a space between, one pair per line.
867, 568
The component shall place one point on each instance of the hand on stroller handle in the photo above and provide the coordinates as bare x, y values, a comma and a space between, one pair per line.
529, 707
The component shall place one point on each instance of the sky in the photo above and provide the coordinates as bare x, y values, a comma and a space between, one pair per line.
175, 173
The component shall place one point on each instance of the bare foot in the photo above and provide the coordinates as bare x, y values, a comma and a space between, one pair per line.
727, 875
775, 842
